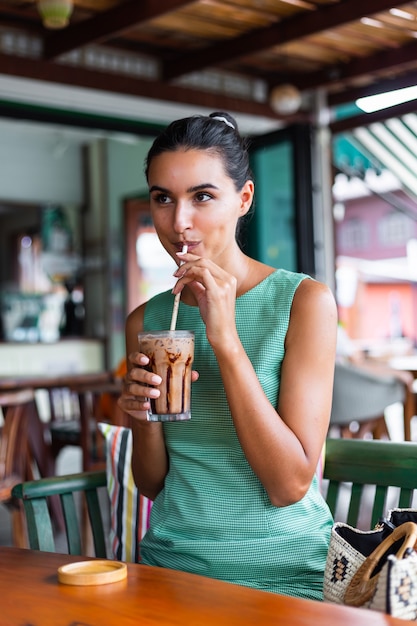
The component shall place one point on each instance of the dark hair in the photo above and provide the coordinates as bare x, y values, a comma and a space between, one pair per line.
217, 133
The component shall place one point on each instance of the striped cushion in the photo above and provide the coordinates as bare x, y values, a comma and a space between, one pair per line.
129, 512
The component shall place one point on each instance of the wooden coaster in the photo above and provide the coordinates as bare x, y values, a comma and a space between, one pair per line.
92, 572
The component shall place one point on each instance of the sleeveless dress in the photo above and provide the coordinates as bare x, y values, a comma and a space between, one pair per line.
213, 516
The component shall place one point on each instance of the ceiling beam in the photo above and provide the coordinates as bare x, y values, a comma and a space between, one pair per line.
13, 20
105, 81
296, 27
357, 68
106, 24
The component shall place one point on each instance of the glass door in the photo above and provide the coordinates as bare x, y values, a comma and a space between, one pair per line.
280, 231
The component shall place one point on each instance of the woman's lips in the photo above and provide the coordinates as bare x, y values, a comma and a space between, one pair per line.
191, 245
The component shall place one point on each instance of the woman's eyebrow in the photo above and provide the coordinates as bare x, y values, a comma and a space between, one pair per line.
201, 187
157, 188
189, 190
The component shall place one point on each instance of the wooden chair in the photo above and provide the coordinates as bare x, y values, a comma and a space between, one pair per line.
363, 474
22, 450
74, 412
35, 496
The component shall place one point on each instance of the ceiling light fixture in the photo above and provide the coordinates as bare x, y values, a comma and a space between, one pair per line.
285, 99
380, 101
55, 13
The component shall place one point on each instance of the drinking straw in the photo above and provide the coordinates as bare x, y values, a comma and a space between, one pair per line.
176, 301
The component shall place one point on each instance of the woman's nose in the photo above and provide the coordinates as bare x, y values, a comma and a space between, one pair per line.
182, 217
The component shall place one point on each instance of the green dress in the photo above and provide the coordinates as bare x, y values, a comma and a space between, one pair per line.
213, 516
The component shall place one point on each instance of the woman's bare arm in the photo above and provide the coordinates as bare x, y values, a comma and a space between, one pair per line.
283, 444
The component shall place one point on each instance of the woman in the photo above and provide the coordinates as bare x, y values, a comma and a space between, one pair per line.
234, 489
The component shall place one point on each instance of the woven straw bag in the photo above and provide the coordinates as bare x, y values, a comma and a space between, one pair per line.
373, 569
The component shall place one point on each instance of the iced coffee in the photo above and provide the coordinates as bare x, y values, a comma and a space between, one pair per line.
171, 354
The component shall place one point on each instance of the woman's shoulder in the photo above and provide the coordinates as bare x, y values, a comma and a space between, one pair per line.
313, 296
302, 292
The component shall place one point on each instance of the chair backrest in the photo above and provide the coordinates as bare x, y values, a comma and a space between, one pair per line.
353, 465
73, 412
36, 495
359, 394
17, 408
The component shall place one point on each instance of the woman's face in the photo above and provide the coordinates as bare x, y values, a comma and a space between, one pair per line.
193, 201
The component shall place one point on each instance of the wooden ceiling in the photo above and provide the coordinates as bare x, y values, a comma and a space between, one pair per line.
221, 54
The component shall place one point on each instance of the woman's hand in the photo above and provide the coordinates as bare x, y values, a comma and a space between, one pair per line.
139, 385
215, 292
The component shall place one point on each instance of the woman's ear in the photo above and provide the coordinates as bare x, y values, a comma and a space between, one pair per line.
246, 197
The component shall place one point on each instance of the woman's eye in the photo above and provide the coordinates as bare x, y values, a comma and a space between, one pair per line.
162, 198
203, 196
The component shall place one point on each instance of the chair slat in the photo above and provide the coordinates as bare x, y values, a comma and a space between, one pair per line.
96, 521
354, 504
40, 532
71, 523
406, 498
379, 505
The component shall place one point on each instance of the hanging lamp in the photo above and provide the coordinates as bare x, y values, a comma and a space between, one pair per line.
55, 14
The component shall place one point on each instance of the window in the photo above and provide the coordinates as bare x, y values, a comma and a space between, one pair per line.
394, 229
354, 236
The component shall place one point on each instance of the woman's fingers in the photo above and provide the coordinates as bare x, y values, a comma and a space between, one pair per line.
206, 275
139, 385
134, 406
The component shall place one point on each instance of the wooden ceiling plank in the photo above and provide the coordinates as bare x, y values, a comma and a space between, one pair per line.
58, 73
296, 27
358, 67
106, 24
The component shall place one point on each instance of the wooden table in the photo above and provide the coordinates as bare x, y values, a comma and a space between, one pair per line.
49, 380
150, 596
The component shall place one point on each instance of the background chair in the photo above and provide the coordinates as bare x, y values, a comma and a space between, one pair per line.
16, 462
125, 512
35, 496
361, 475
360, 398
73, 412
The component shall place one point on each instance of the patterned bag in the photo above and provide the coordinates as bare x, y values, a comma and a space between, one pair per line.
374, 569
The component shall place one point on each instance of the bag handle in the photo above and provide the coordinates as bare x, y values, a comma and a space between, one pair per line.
362, 586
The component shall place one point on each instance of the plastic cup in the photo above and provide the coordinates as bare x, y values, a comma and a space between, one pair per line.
171, 354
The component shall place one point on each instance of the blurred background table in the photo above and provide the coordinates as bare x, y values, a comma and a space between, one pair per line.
407, 362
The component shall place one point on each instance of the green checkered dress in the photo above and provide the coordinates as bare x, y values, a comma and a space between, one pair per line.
213, 516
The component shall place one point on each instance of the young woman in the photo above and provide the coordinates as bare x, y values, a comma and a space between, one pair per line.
234, 489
